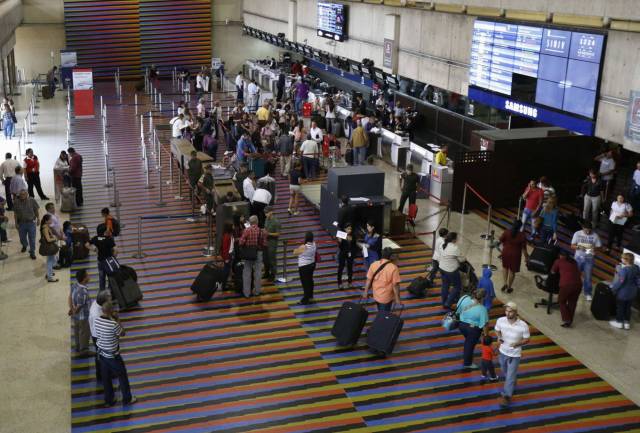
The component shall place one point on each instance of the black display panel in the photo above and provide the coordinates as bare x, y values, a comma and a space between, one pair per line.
332, 21
563, 67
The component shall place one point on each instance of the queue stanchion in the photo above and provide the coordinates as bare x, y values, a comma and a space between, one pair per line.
170, 181
180, 180
139, 254
208, 251
283, 278
106, 171
135, 102
161, 201
194, 217
150, 123
116, 199
147, 173
144, 150
120, 93
160, 102
173, 109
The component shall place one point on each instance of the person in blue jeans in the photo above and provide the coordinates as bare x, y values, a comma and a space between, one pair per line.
513, 333
105, 246
450, 259
625, 287
585, 242
25, 211
7, 122
473, 321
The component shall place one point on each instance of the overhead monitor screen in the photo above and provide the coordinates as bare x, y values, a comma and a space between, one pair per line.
332, 21
539, 66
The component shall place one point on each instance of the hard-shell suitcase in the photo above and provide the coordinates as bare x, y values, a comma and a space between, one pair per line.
397, 223
124, 290
46, 92
384, 331
80, 236
307, 109
542, 258
129, 271
603, 304
349, 323
207, 282
68, 199
419, 286
348, 156
238, 268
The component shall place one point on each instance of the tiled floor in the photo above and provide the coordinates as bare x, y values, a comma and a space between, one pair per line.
38, 332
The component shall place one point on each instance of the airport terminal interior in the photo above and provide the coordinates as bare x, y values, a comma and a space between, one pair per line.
320, 216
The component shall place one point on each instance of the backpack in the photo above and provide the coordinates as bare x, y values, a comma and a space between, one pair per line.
116, 227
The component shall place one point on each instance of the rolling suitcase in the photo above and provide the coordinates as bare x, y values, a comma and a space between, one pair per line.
238, 283
80, 236
124, 290
349, 323
397, 223
603, 304
129, 272
383, 333
46, 92
348, 156
68, 199
542, 258
257, 165
419, 286
207, 282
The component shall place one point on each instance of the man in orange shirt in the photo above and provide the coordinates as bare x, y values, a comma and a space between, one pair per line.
383, 277
32, 172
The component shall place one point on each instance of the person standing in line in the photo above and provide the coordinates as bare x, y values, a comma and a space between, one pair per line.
593, 191
95, 311
437, 254
383, 277
105, 246
514, 245
549, 216
285, 149
17, 183
372, 244
61, 174
51, 80
108, 332
513, 334
48, 238
635, 187
249, 186
607, 170
548, 190
206, 185
532, 197
309, 151
330, 115
8, 123
620, 214
474, 319
409, 185
25, 212
75, 171
227, 252
194, 169
252, 96
79, 310
4, 238
569, 284
32, 170
585, 243
7, 171
294, 188
302, 94
307, 253
625, 288
282, 80
359, 143
259, 202
239, 87
347, 250
273, 228
253, 239
450, 260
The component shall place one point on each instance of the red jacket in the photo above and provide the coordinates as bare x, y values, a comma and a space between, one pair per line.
226, 246
31, 165
75, 165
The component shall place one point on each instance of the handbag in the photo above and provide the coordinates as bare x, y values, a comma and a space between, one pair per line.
450, 321
48, 248
250, 252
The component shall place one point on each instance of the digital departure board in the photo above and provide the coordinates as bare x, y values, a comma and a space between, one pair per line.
332, 21
536, 68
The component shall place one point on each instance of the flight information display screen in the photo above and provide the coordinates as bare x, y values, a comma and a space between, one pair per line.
332, 21
538, 66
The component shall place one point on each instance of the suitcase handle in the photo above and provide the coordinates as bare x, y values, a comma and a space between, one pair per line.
401, 309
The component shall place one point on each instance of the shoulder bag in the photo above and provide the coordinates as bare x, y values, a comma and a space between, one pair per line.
47, 248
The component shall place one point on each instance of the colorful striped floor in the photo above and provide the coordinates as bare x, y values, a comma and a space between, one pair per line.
269, 365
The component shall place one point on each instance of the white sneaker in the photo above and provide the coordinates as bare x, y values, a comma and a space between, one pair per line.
627, 325
588, 298
616, 324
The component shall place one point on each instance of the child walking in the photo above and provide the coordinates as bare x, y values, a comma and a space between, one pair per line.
487, 369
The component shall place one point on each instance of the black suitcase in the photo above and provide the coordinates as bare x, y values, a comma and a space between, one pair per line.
542, 258
207, 282
129, 272
238, 269
383, 333
124, 290
348, 156
349, 323
80, 237
419, 286
603, 304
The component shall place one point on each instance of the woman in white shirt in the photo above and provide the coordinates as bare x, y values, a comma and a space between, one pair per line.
437, 253
330, 115
60, 172
450, 259
200, 108
306, 266
620, 213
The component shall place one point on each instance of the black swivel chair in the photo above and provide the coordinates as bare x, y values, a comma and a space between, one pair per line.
550, 285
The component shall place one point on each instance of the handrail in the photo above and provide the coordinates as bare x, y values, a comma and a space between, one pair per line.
484, 200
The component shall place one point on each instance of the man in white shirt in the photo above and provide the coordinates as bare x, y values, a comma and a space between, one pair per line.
259, 201
200, 85
269, 183
252, 96
607, 169
248, 186
513, 333
239, 87
7, 171
309, 151
584, 243
177, 125
315, 132
200, 108
95, 311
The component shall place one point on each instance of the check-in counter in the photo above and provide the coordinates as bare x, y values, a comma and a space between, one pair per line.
181, 150
441, 183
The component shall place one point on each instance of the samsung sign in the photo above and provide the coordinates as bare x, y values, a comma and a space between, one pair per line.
520, 108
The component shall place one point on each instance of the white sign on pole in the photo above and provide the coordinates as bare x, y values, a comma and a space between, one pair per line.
82, 80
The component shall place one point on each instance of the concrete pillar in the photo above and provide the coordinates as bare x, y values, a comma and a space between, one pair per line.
292, 22
391, 43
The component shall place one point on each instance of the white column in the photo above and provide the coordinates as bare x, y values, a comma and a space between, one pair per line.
292, 22
391, 43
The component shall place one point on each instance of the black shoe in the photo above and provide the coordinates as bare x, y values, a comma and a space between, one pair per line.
566, 324
303, 302
132, 401
23, 250
33, 256
45, 198
113, 403
57, 267
510, 290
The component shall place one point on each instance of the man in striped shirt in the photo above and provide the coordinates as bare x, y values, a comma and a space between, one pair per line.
108, 332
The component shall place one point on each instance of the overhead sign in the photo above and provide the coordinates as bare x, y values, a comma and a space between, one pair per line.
68, 59
387, 54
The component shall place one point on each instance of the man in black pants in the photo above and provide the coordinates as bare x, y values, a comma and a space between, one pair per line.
409, 184
75, 171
